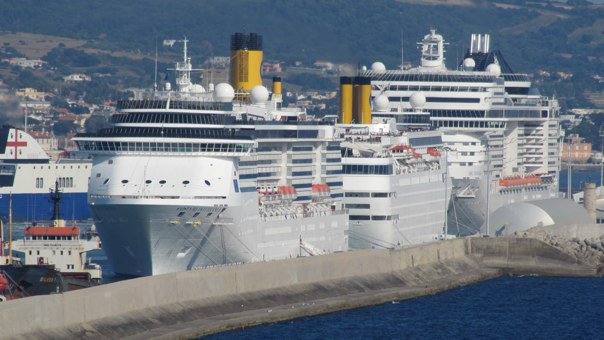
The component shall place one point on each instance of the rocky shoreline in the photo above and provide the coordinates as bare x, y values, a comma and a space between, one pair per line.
589, 250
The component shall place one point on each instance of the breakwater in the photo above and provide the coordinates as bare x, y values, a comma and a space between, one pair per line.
189, 304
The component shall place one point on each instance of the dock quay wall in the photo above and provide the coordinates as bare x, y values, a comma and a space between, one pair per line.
193, 303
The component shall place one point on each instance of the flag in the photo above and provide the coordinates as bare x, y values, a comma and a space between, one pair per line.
169, 42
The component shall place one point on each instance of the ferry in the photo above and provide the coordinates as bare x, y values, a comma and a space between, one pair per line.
28, 173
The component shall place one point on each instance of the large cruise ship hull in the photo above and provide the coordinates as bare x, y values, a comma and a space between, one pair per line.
142, 239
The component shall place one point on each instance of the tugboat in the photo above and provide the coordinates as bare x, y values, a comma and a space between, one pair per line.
49, 259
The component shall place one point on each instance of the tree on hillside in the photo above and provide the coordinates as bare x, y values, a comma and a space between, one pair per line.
95, 123
61, 128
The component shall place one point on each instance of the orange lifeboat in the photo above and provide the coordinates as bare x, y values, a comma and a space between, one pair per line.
287, 191
519, 181
321, 189
433, 152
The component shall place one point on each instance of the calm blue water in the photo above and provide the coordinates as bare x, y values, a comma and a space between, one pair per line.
580, 177
504, 308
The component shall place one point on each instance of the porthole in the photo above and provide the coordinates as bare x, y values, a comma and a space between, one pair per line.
162, 182
148, 181
196, 214
106, 181
181, 214
124, 181
185, 182
207, 182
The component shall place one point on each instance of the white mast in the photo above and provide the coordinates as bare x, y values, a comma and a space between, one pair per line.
155, 75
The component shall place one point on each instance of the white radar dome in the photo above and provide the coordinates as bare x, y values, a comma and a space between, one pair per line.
224, 93
378, 67
469, 64
196, 88
494, 69
380, 103
417, 100
259, 94
168, 87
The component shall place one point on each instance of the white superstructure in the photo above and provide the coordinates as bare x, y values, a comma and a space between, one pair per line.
395, 185
503, 134
61, 246
191, 178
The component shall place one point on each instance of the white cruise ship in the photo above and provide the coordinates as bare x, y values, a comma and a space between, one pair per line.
188, 178
503, 135
395, 183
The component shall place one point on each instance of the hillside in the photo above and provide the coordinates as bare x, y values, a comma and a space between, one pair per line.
554, 37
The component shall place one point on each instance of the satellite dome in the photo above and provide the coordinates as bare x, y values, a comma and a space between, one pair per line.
168, 86
417, 100
196, 88
380, 103
378, 67
363, 68
469, 64
494, 69
224, 93
259, 94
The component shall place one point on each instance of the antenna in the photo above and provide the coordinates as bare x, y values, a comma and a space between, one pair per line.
25, 111
400, 14
402, 50
155, 79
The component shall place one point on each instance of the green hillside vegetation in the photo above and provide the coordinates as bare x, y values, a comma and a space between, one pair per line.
532, 35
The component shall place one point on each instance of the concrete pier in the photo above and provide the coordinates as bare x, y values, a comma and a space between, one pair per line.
194, 303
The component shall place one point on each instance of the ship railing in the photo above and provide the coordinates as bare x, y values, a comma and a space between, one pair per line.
197, 103
307, 214
142, 196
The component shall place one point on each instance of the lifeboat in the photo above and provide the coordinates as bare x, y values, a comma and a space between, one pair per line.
433, 152
287, 191
519, 181
321, 189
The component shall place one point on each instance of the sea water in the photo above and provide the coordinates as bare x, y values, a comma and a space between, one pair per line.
528, 307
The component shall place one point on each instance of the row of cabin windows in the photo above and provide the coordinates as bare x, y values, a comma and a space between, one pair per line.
162, 182
370, 194
469, 124
64, 182
161, 147
53, 238
436, 88
57, 167
373, 217
363, 169
54, 252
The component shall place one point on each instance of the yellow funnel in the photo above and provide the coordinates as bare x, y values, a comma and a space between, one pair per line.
246, 61
276, 85
345, 114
